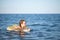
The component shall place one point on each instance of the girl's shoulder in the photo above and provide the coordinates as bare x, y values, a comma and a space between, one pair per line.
18, 26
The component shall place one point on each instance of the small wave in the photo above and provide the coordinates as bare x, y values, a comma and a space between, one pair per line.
41, 24
35, 25
40, 34
50, 37
50, 30
53, 25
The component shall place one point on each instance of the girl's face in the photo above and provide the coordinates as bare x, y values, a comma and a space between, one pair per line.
23, 24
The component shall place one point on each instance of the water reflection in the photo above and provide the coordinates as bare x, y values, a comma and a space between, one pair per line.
22, 34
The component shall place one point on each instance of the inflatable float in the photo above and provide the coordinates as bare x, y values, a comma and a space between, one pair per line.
12, 28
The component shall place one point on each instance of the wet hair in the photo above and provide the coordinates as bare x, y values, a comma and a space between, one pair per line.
21, 21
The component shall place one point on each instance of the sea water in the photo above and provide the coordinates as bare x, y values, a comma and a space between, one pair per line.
43, 26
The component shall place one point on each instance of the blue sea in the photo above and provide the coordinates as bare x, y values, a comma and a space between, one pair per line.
43, 26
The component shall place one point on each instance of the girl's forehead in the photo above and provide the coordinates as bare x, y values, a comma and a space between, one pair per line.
23, 21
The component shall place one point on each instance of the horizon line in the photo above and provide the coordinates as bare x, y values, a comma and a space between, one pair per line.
29, 13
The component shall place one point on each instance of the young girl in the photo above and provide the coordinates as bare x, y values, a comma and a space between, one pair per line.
22, 27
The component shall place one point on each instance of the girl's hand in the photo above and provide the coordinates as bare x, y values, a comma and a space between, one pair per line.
26, 30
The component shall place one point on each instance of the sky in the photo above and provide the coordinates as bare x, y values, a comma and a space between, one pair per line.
29, 6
